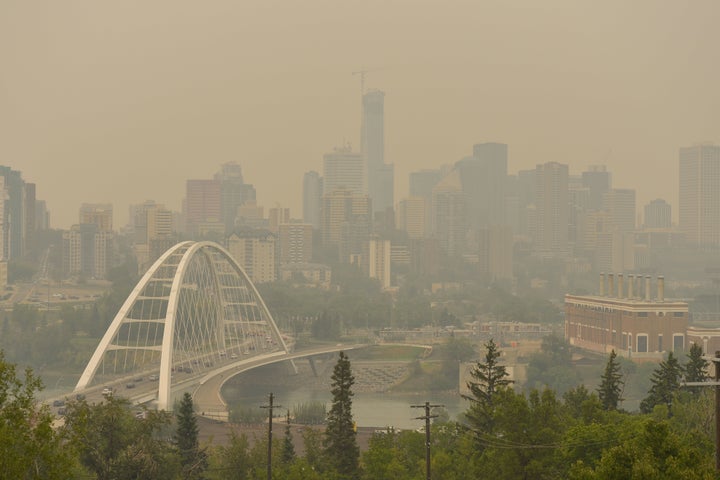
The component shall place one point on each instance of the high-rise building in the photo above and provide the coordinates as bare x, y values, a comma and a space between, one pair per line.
14, 218
379, 261
412, 217
380, 176
254, 250
495, 252
598, 181
87, 251
619, 203
277, 216
343, 169
29, 209
345, 222
484, 179
204, 205
551, 194
449, 205
658, 214
100, 214
699, 206
234, 192
296, 242
312, 198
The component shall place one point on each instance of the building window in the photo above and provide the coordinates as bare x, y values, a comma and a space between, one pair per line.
660, 345
642, 343
678, 342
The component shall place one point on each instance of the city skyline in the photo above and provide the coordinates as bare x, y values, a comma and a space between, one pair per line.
103, 103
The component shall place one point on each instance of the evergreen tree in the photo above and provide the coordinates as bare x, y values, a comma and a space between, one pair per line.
192, 458
341, 449
488, 377
288, 451
696, 368
611, 384
665, 382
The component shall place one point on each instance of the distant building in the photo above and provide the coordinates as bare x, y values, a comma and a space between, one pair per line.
277, 216
598, 181
100, 214
312, 198
628, 318
313, 274
412, 215
234, 192
379, 263
203, 204
552, 209
483, 178
619, 203
449, 210
495, 252
699, 206
345, 222
296, 242
344, 170
658, 214
380, 176
87, 251
14, 228
254, 250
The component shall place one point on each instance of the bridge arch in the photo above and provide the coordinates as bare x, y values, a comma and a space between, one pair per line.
195, 309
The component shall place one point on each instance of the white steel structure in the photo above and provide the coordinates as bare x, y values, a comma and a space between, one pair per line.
194, 311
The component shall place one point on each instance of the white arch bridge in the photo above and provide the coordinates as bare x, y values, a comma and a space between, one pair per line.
193, 316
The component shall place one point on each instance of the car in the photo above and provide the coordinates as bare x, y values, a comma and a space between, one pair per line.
79, 397
138, 379
130, 385
222, 353
187, 370
61, 411
59, 403
208, 364
107, 391
153, 378
233, 356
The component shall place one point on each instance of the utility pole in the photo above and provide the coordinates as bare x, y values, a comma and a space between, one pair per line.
427, 418
270, 408
716, 384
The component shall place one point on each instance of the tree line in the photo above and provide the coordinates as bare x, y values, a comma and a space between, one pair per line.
503, 434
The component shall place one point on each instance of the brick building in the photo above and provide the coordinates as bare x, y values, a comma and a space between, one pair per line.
622, 319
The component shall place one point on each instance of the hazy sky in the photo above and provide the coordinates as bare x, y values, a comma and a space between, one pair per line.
122, 101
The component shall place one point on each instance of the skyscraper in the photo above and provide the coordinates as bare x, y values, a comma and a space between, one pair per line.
234, 192
484, 177
620, 205
448, 214
699, 207
598, 181
658, 214
344, 170
100, 214
203, 204
380, 176
551, 194
312, 198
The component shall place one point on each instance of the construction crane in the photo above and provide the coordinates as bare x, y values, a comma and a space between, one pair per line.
362, 72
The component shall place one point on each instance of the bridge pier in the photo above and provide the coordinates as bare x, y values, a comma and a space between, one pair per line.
311, 360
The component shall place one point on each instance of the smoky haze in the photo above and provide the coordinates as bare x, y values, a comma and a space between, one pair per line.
123, 101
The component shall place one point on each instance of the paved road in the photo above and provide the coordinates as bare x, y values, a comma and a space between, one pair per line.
207, 395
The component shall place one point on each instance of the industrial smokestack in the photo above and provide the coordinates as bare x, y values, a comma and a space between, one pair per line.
621, 286
602, 284
611, 284
647, 288
631, 281
661, 288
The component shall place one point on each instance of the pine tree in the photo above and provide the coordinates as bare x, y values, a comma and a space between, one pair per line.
611, 385
192, 458
288, 451
488, 377
341, 449
665, 382
696, 368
